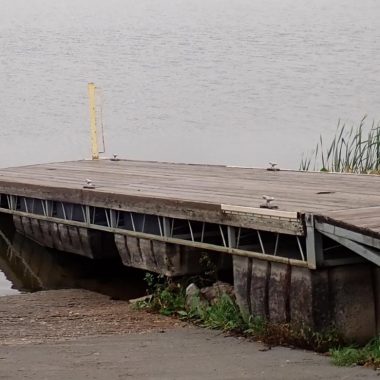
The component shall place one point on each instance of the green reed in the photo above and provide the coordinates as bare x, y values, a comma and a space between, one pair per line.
354, 149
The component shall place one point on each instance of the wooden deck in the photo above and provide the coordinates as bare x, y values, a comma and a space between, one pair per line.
164, 217
353, 200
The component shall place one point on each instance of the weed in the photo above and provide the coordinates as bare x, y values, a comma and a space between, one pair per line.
223, 314
302, 336
352, 150
168, 297
347, 356
369, 355
256, 326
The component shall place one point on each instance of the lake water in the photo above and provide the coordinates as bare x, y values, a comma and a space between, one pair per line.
241, 82
6, 286
238, 82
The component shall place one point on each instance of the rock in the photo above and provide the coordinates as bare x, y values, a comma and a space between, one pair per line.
207, 295
212, 293
192, 290
192, 296
146, 298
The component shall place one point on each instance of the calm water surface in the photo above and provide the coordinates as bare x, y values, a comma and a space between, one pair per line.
238, 82
6, 286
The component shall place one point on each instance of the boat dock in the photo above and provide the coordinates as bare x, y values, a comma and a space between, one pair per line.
162, 216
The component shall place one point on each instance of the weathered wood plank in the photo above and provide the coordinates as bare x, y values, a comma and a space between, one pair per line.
198, 191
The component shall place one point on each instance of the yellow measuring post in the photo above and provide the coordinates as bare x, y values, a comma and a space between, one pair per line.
94, 132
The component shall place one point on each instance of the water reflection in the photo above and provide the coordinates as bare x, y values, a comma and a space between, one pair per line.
28, 267
6, 286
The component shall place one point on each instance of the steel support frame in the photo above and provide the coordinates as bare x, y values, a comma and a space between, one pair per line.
364, 246
229, 237
314, 244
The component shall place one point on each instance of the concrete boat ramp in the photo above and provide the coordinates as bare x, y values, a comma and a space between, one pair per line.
308, 257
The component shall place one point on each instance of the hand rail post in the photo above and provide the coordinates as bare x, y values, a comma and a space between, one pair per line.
94, 132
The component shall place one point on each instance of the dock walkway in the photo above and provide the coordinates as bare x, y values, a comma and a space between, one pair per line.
343, 207
312, 261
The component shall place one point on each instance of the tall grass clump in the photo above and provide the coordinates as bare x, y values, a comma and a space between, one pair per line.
354, 149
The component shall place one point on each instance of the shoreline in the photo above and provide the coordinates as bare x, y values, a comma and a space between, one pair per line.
79, 334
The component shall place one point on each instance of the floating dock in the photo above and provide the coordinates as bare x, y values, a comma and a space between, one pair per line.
319, 238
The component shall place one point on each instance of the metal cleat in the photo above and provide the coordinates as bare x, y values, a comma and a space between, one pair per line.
273, 167
89, 184
115, 158
267, 203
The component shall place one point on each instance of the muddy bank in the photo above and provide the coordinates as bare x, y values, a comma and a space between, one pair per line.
57, 315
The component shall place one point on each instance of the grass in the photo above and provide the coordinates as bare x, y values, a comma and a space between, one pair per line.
369, 355
169, 298
352, 150
223, 314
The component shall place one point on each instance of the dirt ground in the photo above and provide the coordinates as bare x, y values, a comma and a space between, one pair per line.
77, 334
56, 315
